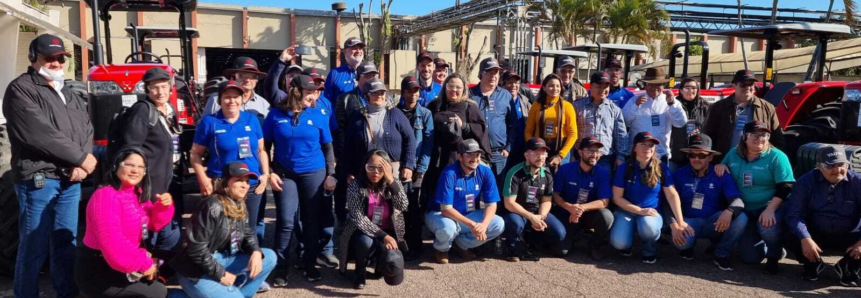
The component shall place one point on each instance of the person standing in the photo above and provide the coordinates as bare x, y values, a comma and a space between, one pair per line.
697, 110
425, 68
597, 116
521, 105
495, 105
52, 139
656, 112
440, 72
344, 78
572, 88
618, 94
245, 73
553, 120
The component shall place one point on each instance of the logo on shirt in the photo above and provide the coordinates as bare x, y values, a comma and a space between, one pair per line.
476, 187
310, 122
247, 128
323, 111
573, 183
458, 188
758, 168
591, 184
284, 121
221, 131
711, 186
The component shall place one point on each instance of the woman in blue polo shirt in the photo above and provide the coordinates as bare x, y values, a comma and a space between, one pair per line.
302, 171
637, 185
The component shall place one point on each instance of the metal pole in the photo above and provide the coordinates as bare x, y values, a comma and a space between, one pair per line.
820, 63
98, 54
741, 39
687, 53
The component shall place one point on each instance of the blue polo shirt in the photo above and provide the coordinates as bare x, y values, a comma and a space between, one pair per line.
635, 191
324, 106
620, 96
339, 81
222, 139
570, 178
454, 187
717, 192
427, 94
297, 143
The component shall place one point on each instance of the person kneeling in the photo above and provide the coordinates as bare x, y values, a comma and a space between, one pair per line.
375, 206
700, 192
454, 217
220, 256
528, 190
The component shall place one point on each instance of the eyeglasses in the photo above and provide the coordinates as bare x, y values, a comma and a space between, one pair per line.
836, 166
373, 169
133, 167
592, 151
247, 76
690, 88
759, 136
453, 87
698, 155
378, 93
473, 154
51, 59
536, 153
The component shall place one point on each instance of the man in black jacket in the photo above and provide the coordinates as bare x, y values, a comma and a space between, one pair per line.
51, 138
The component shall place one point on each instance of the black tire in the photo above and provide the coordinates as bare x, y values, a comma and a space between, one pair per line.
8, 209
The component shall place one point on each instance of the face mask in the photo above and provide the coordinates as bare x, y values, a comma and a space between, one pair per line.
54, 75
353, 60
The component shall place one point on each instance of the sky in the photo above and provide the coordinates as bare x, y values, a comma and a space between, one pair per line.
421, 7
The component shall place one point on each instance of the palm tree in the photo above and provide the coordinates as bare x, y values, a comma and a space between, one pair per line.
849, 11
568, 19
637, 21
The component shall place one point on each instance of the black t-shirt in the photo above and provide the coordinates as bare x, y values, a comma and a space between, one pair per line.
529, 189
156, 143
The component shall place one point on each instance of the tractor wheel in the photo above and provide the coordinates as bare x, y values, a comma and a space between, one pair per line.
8, 209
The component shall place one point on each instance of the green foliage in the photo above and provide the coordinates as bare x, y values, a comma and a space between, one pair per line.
638, 22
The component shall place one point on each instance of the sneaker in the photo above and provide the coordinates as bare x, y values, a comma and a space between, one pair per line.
530, 255
812, 270
771, 266
723, 263
441, 257
312, 274
848, 278
595, 253
466, 254
650, 260
626, 252
359, 283
512, 257
687, 254
264, 287
328, 261
280, 280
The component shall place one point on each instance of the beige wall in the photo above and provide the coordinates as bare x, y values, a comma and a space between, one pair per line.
219, 28
268, 31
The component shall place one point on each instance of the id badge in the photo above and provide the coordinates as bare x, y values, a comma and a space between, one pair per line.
378, 215
740, 122
698, 201
583, 196
244, 147
490, 105
550, 130
748, 179
144, 231
531, 193
470, 202
234, 242
691, 126
656, 120
39, 180
176, 153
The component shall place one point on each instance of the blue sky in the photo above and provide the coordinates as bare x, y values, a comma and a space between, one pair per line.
420, 7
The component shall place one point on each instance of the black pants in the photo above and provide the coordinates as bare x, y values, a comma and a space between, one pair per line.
839, 242
600, 220
95, 278
364, 248
414, 219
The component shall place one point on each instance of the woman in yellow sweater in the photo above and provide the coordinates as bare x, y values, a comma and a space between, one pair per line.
554, 121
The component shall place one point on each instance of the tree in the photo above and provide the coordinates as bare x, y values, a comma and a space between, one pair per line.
570, 19
637, 21
466, 62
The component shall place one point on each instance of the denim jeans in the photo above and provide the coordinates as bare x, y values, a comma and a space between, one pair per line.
626, 223
447, 231
704, 228
515, 225
245, 286
749, 245
302, 193
47, 225
256, 205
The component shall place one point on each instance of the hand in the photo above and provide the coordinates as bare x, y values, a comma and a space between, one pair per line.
459, 121
228, 279
723, 221
261, 187
688, 231
618, 163
288, 53
350, 178
640, 100
330, 183
579, 210
387, 172
504, 153
573, 218
538, 223
78, 174
150, 273
554, 161
275, 181
390, 242
670, 96
854, 251
810, 249
255, 264
406, 174
165, 199
205, 184
479, 229
648, 212
721, 169
678, 235
766, 218
90, 163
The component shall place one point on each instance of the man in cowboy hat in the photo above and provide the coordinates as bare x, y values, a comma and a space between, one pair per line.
702, 195
657, 111
245, 72
728, 116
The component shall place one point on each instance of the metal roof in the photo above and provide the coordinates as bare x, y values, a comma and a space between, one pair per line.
161, 32
610, 47
556, 53
787, 30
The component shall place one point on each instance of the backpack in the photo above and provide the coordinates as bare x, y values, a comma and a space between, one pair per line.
117, 127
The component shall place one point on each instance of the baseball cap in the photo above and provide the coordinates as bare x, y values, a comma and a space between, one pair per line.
230, 85
314, 74
510, 74
612, 62
155, 73
440, 62
293, 67
755, 126
237, 169
374, 85
305, 83
744, 75
353, 41
244, 64
589, 142
49, 45
700, 141
393, 267
468, 146
535, 144
423, 55
645, 137
366, 67
410, 83
831, 155
488, 64
599, 78
566, 60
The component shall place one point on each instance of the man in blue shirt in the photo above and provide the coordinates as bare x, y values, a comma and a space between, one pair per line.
521, 106
582, 193
425, 68
495, 104
343, 79
454, 217
618, 94
823, 213
703, 196
598, 117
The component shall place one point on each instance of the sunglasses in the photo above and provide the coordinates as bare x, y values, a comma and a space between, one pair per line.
698, 155
373, 169
51, 59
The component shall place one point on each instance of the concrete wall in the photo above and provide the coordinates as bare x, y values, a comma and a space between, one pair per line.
219, 28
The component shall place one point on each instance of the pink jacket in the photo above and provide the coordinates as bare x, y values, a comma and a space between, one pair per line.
114, 222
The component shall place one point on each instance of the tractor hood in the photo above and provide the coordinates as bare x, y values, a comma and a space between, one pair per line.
125, 75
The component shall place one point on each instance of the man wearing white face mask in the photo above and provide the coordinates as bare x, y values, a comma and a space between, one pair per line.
52, 140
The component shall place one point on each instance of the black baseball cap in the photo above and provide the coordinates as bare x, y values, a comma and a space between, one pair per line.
353, 41
510, 74
599, 78
230, 85
612, 62
410, 82
645, 137
366, 67
49, 45
535, 144
423, 55
468, 146
488, 64
831, 155
237, 169
244, 64
589, 142
374, 85
700, 141
305, 82
393, 267
744, 75
565, 61
755, 126
440, 62
155, 73
314, 74
293, 67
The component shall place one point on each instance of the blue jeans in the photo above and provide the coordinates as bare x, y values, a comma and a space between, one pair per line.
301, 193
47, 222
447, 231
704, 228
245, 286
515, 225
749, 245
626, 223
497, 162
256, 205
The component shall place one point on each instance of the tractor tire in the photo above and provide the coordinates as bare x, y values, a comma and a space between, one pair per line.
8, 209
806, 157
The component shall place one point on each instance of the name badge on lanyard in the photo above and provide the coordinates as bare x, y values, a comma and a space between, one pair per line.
550, 130
470, 202
378, 215
176, 154
144, 230
656, 120
244, 147
691, 126
583, 196
531, 193
698, 201
747, 179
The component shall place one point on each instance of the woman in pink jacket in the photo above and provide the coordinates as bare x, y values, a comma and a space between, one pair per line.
113, 262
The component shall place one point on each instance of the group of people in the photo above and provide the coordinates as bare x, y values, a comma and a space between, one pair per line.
355, 167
